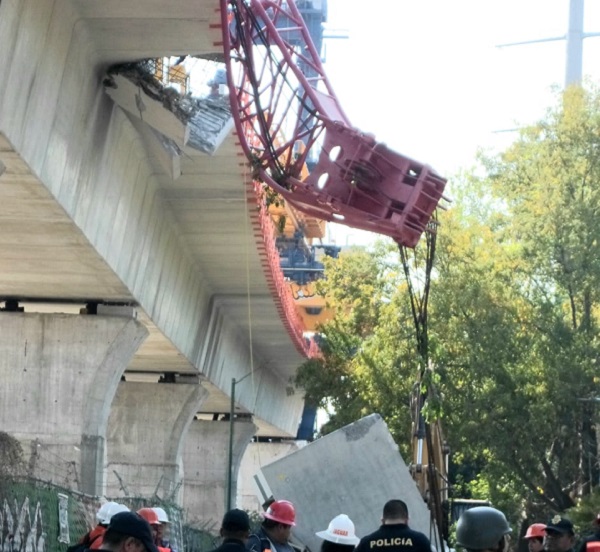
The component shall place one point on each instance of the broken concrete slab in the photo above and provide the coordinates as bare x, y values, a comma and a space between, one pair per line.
200, 123
136, 101
211, 125
355, 471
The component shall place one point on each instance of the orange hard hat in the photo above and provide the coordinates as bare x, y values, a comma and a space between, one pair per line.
149, 515
535, 531
281, 511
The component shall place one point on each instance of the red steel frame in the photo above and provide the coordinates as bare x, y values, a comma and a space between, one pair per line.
357, 181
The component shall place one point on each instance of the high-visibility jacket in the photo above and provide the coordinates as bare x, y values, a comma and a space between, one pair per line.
97, 537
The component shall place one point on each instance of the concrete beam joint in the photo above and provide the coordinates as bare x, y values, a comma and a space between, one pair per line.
117, 310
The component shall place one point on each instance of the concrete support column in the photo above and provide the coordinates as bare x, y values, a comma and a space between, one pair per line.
147, 425
205, 463
59, 374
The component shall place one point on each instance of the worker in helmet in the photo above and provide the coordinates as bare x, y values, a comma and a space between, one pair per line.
276, 529
339, 535
93, 539
535, 537
394, 535
235, 530
162, 533
559, 535
150, 516
483, 529
128, 532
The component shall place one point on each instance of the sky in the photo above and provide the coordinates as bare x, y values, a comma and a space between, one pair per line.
427, 78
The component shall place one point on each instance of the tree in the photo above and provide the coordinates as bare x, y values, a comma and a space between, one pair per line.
366, 347
513, 323
518, 289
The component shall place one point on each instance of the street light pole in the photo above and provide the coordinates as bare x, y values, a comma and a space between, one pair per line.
230, 454
234, 382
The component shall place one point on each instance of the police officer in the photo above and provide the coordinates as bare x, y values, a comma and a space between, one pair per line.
560, 535
394, 535
483, 528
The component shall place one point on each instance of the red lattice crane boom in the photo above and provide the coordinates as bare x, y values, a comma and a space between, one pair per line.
286, 114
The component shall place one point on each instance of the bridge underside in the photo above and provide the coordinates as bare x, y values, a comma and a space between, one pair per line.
93, 212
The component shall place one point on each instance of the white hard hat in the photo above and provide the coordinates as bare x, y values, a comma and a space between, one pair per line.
108, 510
162, 515
340, 531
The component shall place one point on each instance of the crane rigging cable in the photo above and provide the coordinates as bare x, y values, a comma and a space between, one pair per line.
428, 445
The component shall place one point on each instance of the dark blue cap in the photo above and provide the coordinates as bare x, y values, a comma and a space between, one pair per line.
560, 525
133, 525
236, 520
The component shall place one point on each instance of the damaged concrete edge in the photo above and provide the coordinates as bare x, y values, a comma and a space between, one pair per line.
203, 123
142, 74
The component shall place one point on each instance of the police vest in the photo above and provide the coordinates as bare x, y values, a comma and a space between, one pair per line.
392, 541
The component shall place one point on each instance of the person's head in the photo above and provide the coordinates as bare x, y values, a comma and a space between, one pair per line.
108, 510
150, 516
483, 528
395, 511
236, 525
128, 532
535, 537
163, 529
280, 517
339, 535
559, 535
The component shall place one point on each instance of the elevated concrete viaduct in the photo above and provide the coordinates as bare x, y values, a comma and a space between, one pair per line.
92, 213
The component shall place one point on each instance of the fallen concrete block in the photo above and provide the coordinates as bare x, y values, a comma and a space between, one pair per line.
355, 471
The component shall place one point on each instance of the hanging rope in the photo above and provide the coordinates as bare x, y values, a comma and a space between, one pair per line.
419, 302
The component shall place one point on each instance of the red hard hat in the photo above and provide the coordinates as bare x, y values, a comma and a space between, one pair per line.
281, 511
535, 531
149, 515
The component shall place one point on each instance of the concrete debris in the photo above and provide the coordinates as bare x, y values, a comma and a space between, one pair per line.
208, 120
141, 74
211, 124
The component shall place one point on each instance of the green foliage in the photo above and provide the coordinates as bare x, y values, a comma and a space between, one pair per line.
366, 347
12, 464
513, 322
584, 513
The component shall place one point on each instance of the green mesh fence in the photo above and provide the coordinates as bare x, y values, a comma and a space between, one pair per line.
41, 517
30, 517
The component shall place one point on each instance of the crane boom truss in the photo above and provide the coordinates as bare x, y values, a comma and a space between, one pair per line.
281, 98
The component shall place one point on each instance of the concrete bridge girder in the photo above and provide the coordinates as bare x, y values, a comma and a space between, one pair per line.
168, 245
89, 212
